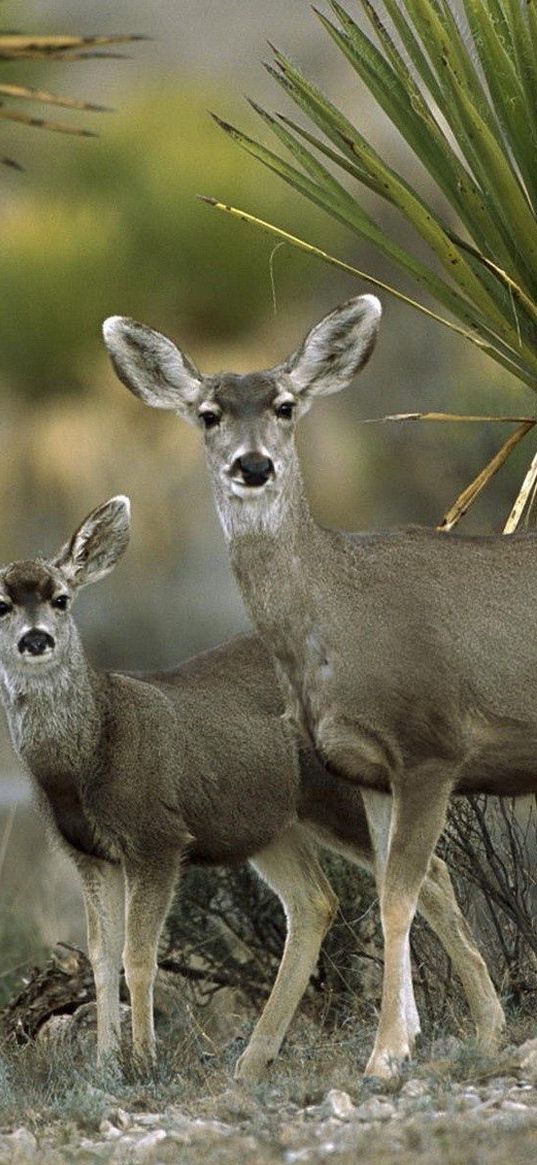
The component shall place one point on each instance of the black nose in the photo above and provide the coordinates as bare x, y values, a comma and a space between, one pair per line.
35, 642
254, 468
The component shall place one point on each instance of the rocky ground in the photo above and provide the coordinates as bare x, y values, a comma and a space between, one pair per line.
430, 1117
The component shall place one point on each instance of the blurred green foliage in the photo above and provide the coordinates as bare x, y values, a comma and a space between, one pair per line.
114, 226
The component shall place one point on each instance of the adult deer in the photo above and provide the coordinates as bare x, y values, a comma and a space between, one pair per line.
142, 774
406, 658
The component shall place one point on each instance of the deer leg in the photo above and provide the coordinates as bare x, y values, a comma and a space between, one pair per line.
419, 809
290, 867
104, 901
439, 906
378, 807
149, 891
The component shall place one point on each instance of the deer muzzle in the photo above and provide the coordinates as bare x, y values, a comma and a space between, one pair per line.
35, 642
252, 469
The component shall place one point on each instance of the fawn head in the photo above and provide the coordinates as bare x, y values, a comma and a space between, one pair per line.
248, 420
36, 626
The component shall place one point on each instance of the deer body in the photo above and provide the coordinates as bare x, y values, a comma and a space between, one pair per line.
407, 657
143, 774
452, 619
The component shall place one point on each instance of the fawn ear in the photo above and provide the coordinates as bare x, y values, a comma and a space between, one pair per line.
152, 367
99, 542
335, 349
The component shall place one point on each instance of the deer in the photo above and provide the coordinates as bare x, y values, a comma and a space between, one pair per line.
405, 658
140, 774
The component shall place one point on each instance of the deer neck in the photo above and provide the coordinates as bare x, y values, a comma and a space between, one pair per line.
56, 720
275, 549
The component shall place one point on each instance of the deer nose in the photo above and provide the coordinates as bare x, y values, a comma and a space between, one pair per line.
35, 642
254, 468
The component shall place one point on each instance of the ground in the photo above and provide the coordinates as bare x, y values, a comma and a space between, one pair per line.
450, 1107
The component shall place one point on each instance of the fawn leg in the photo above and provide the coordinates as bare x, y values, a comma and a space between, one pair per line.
104, 899
150, 887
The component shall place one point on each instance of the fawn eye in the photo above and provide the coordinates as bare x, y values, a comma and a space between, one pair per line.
60, 602
4, 609
210, 419
285, 410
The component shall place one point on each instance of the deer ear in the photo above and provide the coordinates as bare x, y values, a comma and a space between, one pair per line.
99, 542
335, 349
152, 367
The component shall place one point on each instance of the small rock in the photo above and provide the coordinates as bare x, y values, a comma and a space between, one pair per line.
327, 1128
375, 1109
146, 1144
95, 1148
414, 1088
18, 1144
466, 1100
338, 1104
149, 1119
109, 1130
123, 1119
217, 1128
525, 1058
187, 1130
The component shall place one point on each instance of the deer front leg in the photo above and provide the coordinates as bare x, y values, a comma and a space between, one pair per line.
378, 807
150, 887
290, 867
420, 800
104, 900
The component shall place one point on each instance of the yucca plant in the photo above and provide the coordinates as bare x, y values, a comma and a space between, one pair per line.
460, 84
18, 47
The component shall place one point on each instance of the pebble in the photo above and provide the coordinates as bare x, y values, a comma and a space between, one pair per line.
95, 1148
122, 1119
109, 1130
18, 1144
414, 1088
375, 1109
146, 1144
466, 1100
336, 1127
337, 1104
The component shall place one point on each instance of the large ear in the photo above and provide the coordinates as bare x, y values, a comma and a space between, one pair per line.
152, 367
335, 349
99, 542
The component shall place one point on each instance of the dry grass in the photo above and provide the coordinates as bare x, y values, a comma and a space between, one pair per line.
63, 1099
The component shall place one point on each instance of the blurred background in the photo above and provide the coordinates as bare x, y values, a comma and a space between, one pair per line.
112, 225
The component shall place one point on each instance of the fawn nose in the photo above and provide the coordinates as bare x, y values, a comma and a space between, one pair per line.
35, 642
253, 468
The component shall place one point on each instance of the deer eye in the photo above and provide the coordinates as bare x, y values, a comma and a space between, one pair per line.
4, 609
210, 419
285, 410
60, 602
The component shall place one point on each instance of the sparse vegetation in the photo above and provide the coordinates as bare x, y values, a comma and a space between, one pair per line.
427, 1113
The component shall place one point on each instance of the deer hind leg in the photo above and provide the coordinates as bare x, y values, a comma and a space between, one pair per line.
439, 906
150, 886
419, 809
290, 867
378, 807
104, 899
